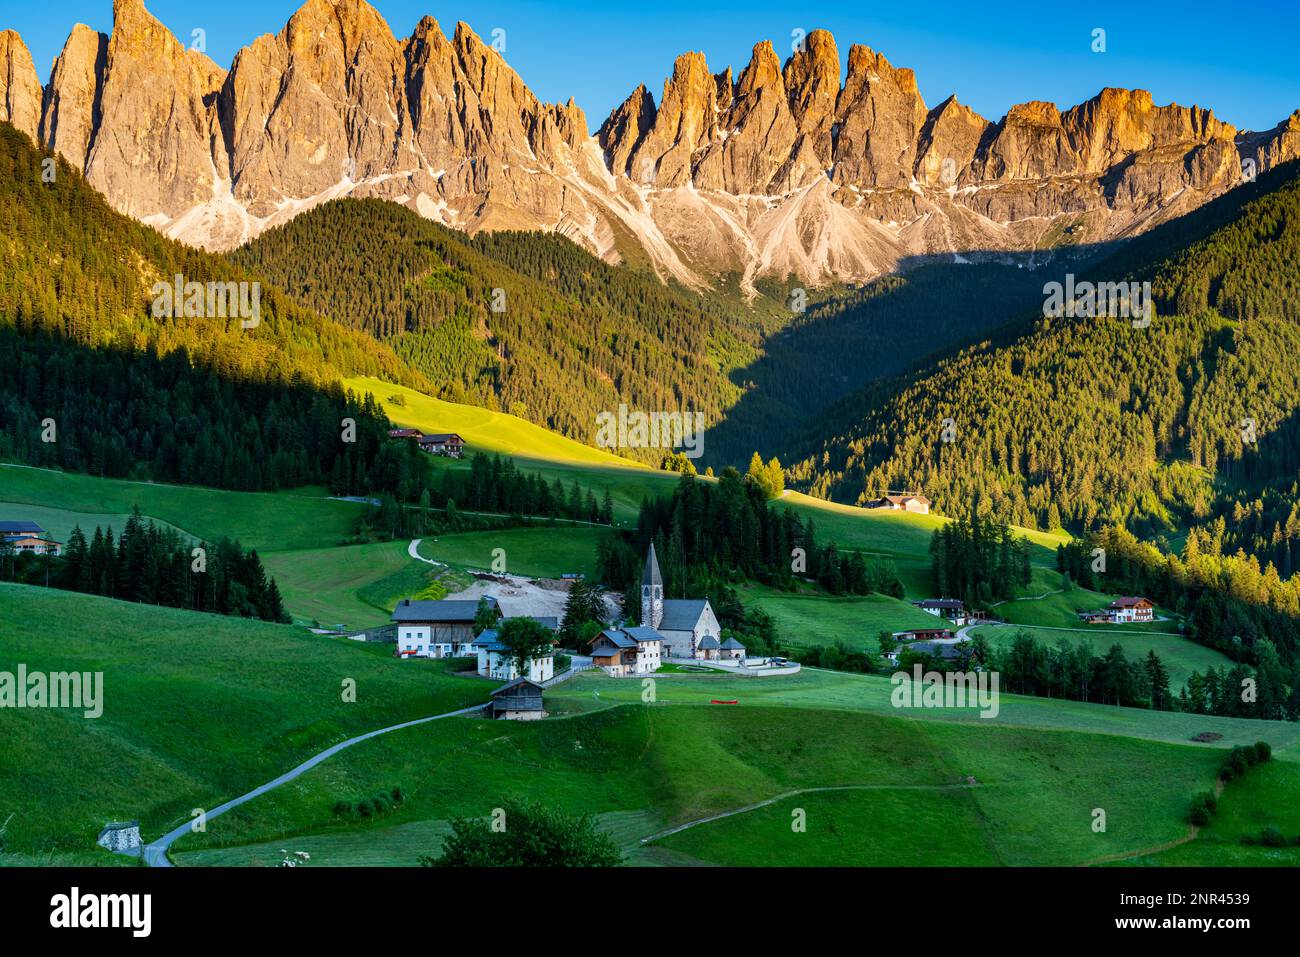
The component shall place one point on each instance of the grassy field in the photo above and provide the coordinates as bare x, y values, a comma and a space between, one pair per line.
1060, 610
59, 522
896, 535
196, 709
326, 584
540, 551
1246, 807
266, 521
482, 429
834, 690
1180, 656
662, 765
810, 619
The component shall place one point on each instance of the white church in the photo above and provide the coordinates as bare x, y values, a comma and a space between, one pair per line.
689, 627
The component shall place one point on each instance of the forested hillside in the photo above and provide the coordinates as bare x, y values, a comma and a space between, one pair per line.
95, 382
1089, 421
521, 322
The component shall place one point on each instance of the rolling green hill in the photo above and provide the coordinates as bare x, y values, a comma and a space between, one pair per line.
196, 709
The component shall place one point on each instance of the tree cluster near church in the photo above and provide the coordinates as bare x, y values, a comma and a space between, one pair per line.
155, 566
708, 534
979, 561
1029, 667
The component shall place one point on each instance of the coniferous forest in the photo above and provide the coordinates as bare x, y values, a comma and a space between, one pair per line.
155, 566
1085, 422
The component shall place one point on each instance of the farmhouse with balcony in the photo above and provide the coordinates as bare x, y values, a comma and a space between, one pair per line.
436, 629
29, 538
628, 651
443, 443
1132, 608
950, 608
904, 502
683, 623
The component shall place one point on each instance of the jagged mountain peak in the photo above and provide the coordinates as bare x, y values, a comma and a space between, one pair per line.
781, 169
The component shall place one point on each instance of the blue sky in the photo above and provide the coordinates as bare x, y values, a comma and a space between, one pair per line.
1240, 59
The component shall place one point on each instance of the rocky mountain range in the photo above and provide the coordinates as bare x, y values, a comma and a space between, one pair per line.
782, 170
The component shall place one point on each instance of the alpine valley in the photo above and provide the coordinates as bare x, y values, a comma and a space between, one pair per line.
334, 525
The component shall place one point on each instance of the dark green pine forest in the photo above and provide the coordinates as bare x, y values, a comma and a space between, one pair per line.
95, 383
521, 322
1088, 422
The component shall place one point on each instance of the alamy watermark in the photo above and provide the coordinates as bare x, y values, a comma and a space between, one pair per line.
1125, 300
651, 430
82, 690
212, 300
954, 689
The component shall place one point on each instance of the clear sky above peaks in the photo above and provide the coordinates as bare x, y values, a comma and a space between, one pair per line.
1239, 59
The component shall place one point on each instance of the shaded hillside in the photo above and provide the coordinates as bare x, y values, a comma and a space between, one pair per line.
130, 394
566, 336
1084, 421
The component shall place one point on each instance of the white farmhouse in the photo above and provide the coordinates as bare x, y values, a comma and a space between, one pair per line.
495, 661
628, 651
435, 629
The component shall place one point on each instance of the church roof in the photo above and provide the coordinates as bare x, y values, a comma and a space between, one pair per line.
652, 576
708, 643
682, 614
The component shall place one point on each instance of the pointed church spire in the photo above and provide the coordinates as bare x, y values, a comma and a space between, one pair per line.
652, 592
652, 576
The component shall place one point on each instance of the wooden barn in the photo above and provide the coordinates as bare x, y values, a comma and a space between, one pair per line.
518, 700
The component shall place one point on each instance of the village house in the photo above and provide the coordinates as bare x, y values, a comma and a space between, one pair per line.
684, 623
444, 443
628, 651
950, 608
436, 629
517, 700
405, 434
29, 538
924, 634
1130, 608
495, 661
917, 504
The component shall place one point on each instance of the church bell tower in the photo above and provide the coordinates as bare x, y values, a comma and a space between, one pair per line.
652, 592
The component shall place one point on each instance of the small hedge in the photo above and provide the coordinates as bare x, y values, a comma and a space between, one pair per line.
382, 803
1240, 760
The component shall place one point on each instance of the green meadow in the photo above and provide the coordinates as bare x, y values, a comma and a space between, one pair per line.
981, 795
808, 618
331, 585
266, 521
196, 709
1246, 807
538, 551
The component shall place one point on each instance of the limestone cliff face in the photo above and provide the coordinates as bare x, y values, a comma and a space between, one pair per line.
20, 90
71, 111
779, 170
